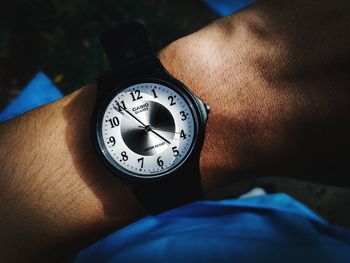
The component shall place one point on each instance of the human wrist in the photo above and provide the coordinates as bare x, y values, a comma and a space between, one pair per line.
270, 86
53, 180
197, 60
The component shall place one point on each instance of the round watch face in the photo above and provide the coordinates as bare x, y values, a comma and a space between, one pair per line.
147, 129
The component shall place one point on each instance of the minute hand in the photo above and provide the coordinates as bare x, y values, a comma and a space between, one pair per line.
160, 136
147, 127
135, 118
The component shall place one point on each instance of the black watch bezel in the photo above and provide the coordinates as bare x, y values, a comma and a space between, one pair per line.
111, 88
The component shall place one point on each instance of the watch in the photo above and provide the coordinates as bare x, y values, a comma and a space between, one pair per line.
148, 128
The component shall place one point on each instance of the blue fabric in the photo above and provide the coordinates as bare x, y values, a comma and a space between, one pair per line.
270, 228
227, 7
38, 92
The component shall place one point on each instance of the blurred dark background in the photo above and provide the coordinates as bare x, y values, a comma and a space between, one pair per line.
61, 37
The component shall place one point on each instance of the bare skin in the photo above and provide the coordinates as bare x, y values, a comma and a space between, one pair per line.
276, 76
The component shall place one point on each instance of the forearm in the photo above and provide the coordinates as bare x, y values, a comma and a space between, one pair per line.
55, 193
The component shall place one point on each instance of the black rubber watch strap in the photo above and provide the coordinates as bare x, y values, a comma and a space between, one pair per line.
175, 191
126, 44
129, 53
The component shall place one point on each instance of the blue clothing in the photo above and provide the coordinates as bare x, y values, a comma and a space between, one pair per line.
38, 92
270, 228
227, 7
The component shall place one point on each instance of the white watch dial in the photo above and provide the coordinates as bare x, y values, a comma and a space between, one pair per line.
148, 129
